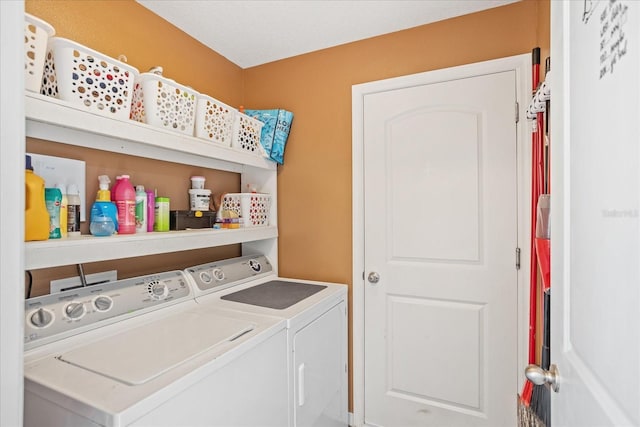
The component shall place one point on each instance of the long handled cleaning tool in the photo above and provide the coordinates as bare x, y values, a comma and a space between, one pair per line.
541, 395
525, 415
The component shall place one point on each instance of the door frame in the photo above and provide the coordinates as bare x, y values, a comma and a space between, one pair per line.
521, 64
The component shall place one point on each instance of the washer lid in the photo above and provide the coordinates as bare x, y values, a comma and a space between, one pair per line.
143, 353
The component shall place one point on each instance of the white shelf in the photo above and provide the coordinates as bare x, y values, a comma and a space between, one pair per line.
55, 120
74, 250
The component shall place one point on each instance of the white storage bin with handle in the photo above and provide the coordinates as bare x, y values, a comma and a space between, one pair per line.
252, 208
88, 79
36, 37
164, 103
246, 135
214, 120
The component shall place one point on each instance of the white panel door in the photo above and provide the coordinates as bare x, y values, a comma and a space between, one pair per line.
441, 232
595, 240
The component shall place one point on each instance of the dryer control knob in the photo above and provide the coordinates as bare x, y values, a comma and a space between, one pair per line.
74, 310
41, 318
218, 274
103, 303
255, 265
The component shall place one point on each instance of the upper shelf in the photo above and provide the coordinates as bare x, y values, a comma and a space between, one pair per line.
54, 120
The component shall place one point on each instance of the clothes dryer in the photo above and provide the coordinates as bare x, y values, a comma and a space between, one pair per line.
316, 317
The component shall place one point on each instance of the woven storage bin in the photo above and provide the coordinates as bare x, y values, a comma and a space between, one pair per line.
252, 208
164, 103
214, 120
36, 37
87, 78
246, 135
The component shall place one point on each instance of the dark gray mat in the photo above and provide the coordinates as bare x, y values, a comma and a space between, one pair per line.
276, 294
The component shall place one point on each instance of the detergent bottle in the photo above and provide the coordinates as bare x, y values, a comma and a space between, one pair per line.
125, 196
36, 216
141, 209
53, 200
104, 215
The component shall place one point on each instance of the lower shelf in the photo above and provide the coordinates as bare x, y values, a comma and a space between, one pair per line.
76, 250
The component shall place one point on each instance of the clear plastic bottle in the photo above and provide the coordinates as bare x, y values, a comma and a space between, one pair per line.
125, 197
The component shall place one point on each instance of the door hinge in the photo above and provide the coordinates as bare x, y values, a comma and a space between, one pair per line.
517, 112
517, 258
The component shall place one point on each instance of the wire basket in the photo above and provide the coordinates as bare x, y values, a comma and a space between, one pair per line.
87, 78
164, 103
246, 135
214, 120
36, 36
251, 208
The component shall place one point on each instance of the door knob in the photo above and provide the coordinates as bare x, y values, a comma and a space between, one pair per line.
539, 376
373, 277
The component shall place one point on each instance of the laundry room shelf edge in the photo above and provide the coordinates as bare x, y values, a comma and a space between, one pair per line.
86, 248
58, 121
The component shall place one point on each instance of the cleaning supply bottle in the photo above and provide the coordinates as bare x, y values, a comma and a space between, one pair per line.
141, 209
104, 215
36, 216
161, 214
151, 209
73, 210
53, 199
114, 187
64, 203
125, 196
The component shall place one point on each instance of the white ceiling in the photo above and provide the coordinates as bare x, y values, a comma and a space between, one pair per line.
254, 32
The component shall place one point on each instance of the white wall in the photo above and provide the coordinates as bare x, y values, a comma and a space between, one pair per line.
12, 146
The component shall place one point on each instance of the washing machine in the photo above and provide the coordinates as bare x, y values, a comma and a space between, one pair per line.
316, 319
143, 352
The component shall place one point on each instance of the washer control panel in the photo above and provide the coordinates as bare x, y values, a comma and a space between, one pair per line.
218, 275
55, 316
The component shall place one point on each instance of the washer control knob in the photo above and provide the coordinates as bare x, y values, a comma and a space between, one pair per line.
159, 291
41, 318
255, 265
205, 277
218, 274
74, 310
103, 303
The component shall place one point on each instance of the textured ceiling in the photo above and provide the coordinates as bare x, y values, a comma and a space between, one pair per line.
250, 33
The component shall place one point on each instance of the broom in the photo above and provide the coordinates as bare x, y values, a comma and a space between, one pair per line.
526, 417
541, 394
